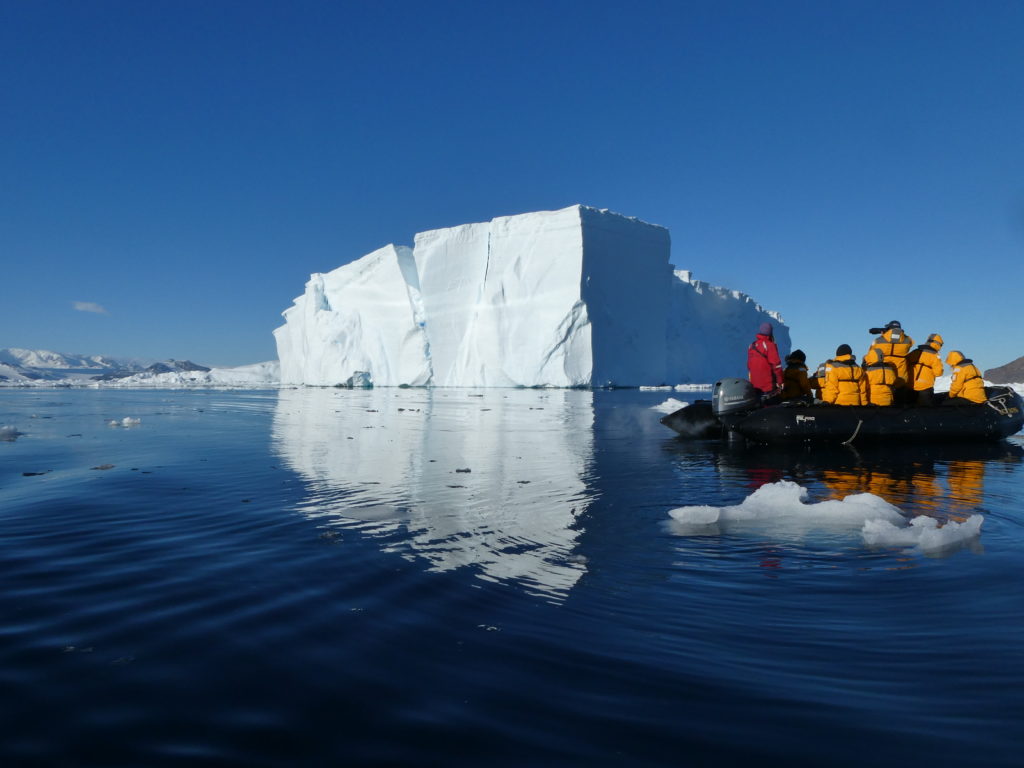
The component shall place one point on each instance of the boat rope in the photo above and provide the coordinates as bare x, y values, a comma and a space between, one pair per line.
998, 404
855, 432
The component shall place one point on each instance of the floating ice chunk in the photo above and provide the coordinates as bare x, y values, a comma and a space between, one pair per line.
703, 515
9, 434
127, 421
669, 406
925, 533
359, 380
785, 501
781, 508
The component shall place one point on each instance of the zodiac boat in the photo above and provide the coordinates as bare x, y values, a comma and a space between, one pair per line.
736, 408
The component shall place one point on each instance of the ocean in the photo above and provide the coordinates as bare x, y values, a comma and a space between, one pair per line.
492, 577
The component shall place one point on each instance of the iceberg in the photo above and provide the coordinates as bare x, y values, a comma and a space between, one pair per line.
578, 297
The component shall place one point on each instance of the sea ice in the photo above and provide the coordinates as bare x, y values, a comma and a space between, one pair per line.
785, 501
669, 406
782, 507
925, 533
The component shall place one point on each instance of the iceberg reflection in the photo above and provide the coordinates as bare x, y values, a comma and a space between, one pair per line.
494, 479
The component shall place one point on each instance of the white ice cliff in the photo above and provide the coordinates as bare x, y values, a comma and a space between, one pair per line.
576, 297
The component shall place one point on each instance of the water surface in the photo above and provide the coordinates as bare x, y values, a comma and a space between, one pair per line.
450, 577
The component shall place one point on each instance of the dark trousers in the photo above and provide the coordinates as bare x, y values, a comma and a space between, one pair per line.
901, 395
925, 397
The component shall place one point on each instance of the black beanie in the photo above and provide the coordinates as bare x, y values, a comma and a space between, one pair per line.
843, 349
798, 355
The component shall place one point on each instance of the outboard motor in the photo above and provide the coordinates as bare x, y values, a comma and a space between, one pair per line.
733, 399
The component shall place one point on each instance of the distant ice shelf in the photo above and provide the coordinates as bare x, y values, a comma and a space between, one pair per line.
567, 298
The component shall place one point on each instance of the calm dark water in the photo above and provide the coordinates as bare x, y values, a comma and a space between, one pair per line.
410, 577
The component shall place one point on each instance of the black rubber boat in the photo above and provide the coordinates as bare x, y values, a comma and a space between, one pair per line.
736, 408
696, 421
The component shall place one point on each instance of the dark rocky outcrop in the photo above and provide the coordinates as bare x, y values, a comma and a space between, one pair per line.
172, 366
1011, 373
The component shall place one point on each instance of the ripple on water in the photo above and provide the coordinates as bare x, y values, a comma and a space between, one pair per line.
315, 573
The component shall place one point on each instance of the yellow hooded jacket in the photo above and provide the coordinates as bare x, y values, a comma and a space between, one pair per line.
881, 378
818, 380
924, 364
794, 381
967, 381
844, 382
895, 346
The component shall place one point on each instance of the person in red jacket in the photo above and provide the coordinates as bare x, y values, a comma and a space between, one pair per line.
763, 363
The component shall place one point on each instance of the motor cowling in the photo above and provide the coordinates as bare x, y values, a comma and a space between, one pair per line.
734, 397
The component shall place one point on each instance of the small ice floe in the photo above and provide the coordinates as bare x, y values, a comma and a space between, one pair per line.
781, 509
9, 434
784, 502
127, 421
669, 406
925, 533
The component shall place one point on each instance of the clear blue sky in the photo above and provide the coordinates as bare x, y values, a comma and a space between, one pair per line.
185, 165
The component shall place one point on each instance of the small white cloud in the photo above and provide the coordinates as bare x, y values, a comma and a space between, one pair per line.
89, 306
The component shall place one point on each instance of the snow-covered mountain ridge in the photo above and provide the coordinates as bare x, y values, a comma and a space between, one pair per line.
172, 374
45, 359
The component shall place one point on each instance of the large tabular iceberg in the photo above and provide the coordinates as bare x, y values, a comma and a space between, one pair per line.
576, 297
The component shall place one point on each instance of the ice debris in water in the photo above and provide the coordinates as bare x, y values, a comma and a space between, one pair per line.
783, 504
669, 406
923, 532
9, 434
786, 499
127, 421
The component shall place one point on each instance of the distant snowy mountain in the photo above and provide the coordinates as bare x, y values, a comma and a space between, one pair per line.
101, 372
45, 359
13, 372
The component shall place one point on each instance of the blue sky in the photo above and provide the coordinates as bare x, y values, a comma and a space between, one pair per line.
184, 166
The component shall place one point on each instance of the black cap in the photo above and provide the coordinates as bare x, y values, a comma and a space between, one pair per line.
843, 349
894, 324
797, 354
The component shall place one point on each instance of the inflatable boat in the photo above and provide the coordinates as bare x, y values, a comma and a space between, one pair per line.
736, 408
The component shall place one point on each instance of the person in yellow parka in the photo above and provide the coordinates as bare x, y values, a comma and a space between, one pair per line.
844, 379
895, 346
818, 380
924, 366
967, 383
881, 378
794, 378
